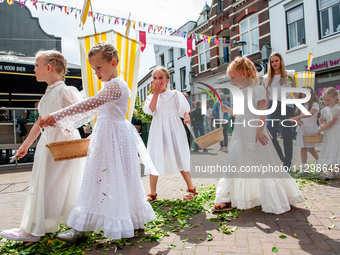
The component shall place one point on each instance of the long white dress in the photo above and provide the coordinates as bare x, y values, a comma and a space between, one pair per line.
330, 147
112, 197
275, 191
309, 127
54, 185
167, 142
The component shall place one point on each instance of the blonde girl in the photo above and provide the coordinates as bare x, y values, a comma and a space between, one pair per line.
111, 197
167, 142
54, 186
330, 147
308, 126
279, 77
251, 148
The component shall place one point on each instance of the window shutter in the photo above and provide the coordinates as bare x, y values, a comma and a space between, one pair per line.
295, 14
327, 3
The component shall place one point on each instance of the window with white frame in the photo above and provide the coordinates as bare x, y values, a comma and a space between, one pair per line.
144, 93
249, 30
183, 79
162, 60
204, 56
295, 27
219, 6
329, 17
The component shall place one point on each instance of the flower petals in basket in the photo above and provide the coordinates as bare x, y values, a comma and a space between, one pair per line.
69, 149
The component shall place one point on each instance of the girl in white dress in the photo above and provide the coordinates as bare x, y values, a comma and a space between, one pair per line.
54, 186
167, 142
330, 147
308, 126
251, 148
111, 197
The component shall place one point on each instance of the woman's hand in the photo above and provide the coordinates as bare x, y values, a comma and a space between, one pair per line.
293, 119
48, 121
224, 108
261, 137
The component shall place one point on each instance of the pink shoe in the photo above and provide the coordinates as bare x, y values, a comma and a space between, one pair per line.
17, 234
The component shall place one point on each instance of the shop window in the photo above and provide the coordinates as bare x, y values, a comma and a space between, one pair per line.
295, 27
329, 17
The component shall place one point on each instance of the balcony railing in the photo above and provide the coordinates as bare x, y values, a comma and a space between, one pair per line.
223, 60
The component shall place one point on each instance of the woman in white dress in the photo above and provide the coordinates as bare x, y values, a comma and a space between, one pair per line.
330, 147
167, 142
112, 196
54, 186
252, 155
308, 126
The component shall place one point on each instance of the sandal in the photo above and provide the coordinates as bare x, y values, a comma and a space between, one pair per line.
220, 208
151, 198
326, 176
191, 193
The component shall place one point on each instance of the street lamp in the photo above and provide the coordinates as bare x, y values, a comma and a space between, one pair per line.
266, 50
240, 45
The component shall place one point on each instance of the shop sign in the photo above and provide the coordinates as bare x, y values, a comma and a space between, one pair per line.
325, 65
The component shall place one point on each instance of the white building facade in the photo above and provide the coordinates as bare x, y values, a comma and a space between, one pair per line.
299, 27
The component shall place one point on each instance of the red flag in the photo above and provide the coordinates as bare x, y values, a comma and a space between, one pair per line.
142, 39
189, 46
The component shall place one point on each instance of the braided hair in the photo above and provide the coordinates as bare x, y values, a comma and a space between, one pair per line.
56, 59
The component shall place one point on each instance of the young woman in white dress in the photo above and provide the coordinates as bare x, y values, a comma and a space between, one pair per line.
112, 196
167, 142
54, 185
308, 125
330, 147
251, 149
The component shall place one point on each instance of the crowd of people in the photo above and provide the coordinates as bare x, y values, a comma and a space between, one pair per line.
105, 191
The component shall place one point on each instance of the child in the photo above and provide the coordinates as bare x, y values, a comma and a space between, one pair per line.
330, 151
54, 186
111, 197
308, 126
250, 147
167, 143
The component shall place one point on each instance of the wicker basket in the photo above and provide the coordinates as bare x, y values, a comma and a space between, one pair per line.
69, 149
313, 138
210, 138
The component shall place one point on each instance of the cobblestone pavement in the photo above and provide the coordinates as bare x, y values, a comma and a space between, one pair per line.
306, 225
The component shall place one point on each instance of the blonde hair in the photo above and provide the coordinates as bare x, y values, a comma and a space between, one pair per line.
163, 69
107, 51
271, 70
56, 59
331, 91
243, 64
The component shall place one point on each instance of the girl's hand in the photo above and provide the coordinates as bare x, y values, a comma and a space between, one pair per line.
317, 133
157, 87
49, 121
186, 118
224, 108
261, 137
323, 120
21, 152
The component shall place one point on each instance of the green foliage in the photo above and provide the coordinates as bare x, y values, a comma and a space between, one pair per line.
140, 115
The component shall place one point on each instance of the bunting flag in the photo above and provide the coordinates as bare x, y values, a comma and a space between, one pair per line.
189, 46
85, 12
142, 39
128, 67
310, 60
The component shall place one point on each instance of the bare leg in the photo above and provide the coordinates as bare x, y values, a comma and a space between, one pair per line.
303, 155
314, 153
187, 179
153, 183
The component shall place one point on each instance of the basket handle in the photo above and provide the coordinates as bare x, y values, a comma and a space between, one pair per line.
43, 135
191, 132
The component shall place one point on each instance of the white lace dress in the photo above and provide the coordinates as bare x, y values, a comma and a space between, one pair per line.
54, 185
330, 147
112, 197
167, 142
276, 191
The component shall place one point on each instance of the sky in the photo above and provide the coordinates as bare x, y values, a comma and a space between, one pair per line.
166, 13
